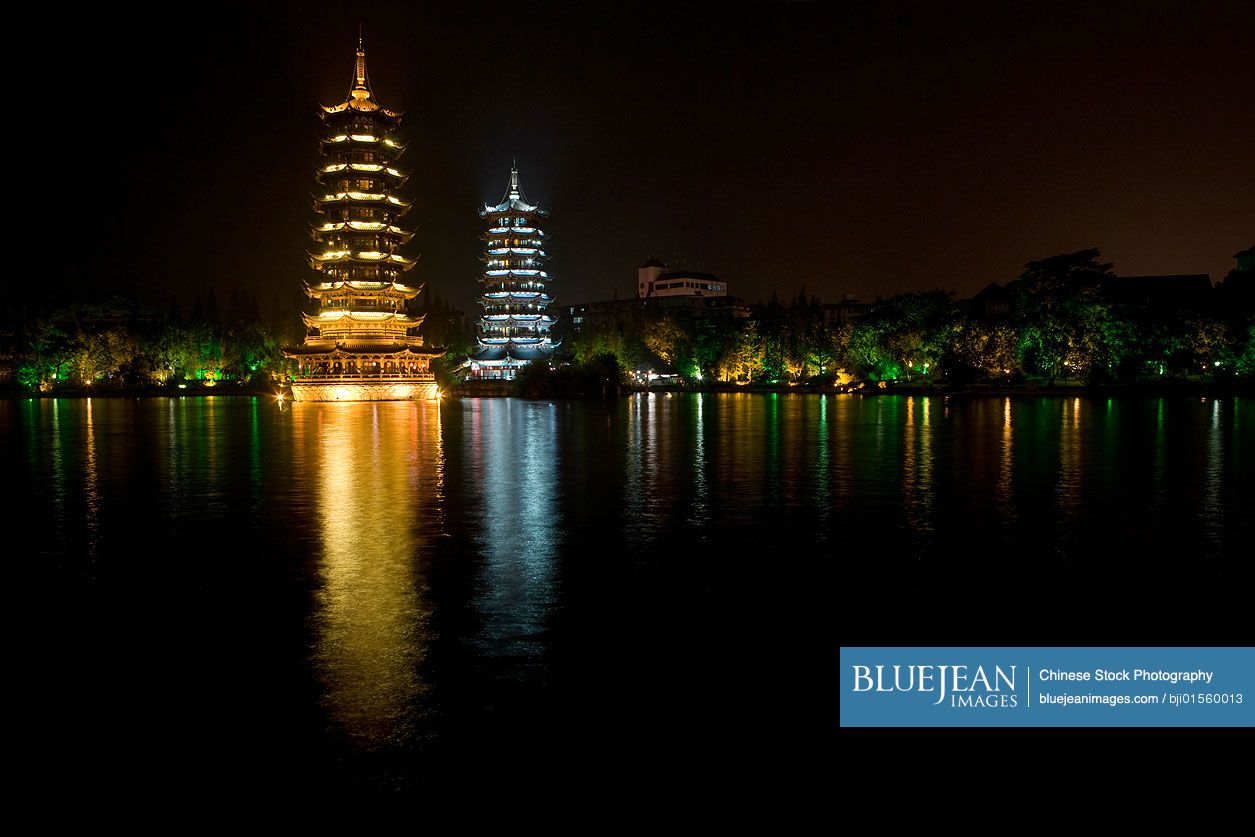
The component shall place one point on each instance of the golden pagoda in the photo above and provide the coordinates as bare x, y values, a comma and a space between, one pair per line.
361, 344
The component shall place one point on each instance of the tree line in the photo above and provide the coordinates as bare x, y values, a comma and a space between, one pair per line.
1061, 326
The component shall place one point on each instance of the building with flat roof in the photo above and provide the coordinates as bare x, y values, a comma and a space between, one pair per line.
682, 294
655, 279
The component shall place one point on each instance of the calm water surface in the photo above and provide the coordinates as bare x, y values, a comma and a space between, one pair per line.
381, 593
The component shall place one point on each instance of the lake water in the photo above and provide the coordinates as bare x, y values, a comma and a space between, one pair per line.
378, 594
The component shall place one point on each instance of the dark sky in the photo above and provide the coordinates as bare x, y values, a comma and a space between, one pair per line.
864, 149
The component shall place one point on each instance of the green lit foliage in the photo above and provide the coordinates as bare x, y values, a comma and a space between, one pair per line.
620, 341
866, 355
708, 340
599, 377
44, 355
1059, 314
818, 350
902, 338
1244, 355
119, 345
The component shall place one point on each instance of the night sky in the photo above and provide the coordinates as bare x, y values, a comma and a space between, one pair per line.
851, 149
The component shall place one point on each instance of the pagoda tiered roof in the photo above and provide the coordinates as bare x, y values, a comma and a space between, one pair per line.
534, 252
500, 354
498, 232
515, 340
496, 276
372, 141
518, 318
499, 297
336, 171
382, 288
337, 315
368, 257
363, 197
326, 228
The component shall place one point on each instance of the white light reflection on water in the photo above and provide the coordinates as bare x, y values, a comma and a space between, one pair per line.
1212, 512
700, 510
514, 457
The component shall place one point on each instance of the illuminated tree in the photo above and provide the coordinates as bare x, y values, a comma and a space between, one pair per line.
619, 341
983, 351
1059, 313
742, 357
665, 338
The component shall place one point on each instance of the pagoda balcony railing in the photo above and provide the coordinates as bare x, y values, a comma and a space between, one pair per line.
358, 376
517, 334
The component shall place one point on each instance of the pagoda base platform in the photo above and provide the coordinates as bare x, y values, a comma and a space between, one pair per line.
401, 390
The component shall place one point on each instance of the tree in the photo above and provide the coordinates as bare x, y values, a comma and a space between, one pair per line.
664, 337
1060, 316
742, 358
983, 351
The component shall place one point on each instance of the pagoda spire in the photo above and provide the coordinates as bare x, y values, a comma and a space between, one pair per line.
361, 82
515, 194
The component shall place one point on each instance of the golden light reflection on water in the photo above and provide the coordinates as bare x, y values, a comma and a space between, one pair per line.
91, 485
379, 484
917, 465
1068, 488
1005, 491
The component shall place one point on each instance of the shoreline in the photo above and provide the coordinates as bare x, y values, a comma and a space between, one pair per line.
1179, 389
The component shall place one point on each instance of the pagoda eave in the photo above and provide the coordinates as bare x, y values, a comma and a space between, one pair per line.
319, 263
359, 106
346, 227
354, 349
